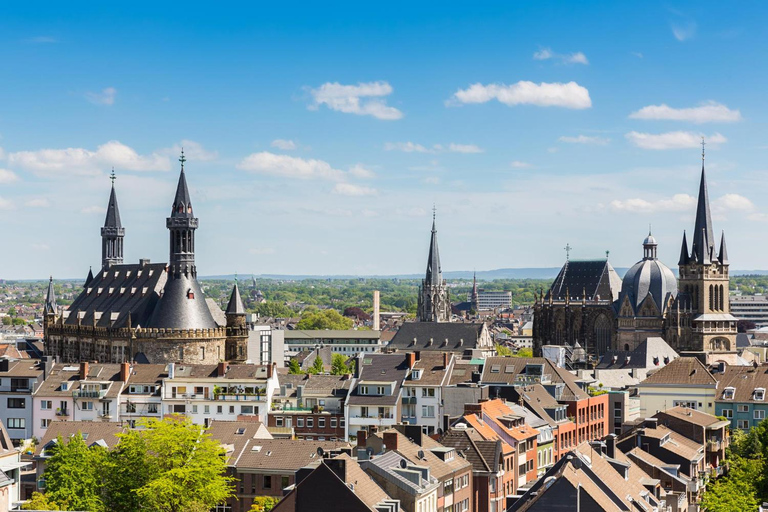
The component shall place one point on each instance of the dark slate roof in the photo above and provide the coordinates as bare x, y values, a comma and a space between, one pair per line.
483, 455
648, 277
651, 353
50, 298
434, 274
112, 220
703, 240
182, 305
121, 289
89, 278
380, 368
505, 370
460, 336
235, 306
595, 277
182, 204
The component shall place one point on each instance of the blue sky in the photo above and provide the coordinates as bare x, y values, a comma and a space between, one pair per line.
319, 137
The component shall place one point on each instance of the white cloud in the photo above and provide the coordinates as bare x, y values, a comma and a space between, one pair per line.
638, 55
105, 97
41, 247
567, 95
38, 202
370, 213
683, 32
80, 161
678, 202
93, 210
407, 147
7, 176
708, 112
566, 58
193, 151
672, 140
585, 139
464, 148
358, 171
734, 202
517, 164
6, 204
348, 189
289, 166
285, 145
361, 99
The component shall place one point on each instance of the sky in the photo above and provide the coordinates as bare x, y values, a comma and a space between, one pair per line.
318, 137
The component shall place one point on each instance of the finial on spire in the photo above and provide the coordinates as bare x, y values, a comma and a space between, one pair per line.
568, 252
434, 211
649, 229
702, 149
182, 159
607, 253
113, 177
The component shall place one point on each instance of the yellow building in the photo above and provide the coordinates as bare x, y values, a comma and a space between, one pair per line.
683, 382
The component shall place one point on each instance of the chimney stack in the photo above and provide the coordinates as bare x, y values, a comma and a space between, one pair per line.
125, 371
84, 367
446, 359
376, 324
361, 438
390, 440
410, 359
610, 445
222, 369
270, 370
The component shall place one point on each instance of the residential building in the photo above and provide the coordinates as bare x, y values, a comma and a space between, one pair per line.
374, 402
349, 343
619, 369
204, 392
423, 389
312, 405
19, 379
752, 308
624, 411
10, 472
702, 428
741, 395
411, 484
468, 340
142, 399
684, 381
265, 344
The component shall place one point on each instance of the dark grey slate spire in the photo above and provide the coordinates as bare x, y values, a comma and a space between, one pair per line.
113, 233
235, 306
434, 273
89, 278
723, 257
684, 254
50, 299
703, 240
182, 225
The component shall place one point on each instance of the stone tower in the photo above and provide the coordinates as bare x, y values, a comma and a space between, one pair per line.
237, 331
112, 233
50, 309
182, 225
434, 302
701, 322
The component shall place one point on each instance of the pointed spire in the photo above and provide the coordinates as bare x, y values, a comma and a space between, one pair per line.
50, 299
112, 219
235, 306
182, 204
89, 278
434, 273
723, 257
684, 255
703, 240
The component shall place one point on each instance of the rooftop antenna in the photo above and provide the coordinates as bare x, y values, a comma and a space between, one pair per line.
182, 159
568, 252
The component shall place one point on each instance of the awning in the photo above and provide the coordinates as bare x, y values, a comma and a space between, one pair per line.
7, 465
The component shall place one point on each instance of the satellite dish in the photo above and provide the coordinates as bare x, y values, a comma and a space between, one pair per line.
420, 454
320, 451
403, 463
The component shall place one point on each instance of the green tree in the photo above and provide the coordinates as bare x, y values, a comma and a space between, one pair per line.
339, 365
502, 350
7, 320
19, 321
325, 319
317, 366
40, 501
12, 312
273, 310
294, 368
738, 491
524, 352
264, 503
73, 475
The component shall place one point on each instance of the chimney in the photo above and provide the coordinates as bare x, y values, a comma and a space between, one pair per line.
390, 440
418, 355
171, 370
222, 369
376, 325
84, 370
361, 437
651, 422
125, 371
446, 359
610, 445
410, 359
270, 370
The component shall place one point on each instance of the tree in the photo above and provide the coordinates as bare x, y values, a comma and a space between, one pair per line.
40, 501
73, 475
317, 366
503, 350
738, 491
339, 365
326, 319
7, 320
12, 312
524, 352
273, 310
294, 368
264, 503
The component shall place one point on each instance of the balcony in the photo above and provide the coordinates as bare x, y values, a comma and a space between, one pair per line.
714, 445
237, 397
62, 413
89, 393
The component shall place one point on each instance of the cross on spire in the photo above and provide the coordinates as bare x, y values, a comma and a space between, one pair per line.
568, 252
113, 177
702, 149
182, 159
434, 211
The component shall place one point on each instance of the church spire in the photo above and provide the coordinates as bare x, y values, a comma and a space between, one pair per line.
182, 225
684, 255
50, 299
113, 233
434, 273
703, 240
723, 256
235, 306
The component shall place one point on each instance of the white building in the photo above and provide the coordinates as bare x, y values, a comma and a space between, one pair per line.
751, 307
423, 389
266, 345
488, 301
349, 342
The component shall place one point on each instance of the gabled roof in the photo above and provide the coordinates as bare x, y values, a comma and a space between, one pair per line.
595, 277
92, 432
692, 416
681, 372
651, 353
484, 455
410, 450
112, 219
283, 454
505, 370
744, 380
235, 305
237, 435
433, 371
380, 368
437, 336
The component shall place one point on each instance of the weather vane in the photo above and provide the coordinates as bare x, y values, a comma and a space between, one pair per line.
182, 159
113, 177
568, 252
702, 148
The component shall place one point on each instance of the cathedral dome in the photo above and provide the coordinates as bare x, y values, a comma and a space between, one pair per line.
648, 276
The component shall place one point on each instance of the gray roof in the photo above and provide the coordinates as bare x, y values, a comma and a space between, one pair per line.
182, 305
182, 204
112, 220
654, 352
434, 274
235, 305
703, 248
596, 278
433, 335
648, 277
380, 368
50, 299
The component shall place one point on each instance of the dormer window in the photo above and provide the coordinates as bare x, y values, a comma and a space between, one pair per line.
416, 374
760, 394
496, 368
190, 294
728, 393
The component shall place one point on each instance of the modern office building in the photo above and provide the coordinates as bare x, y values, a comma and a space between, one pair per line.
348, 343
753, 308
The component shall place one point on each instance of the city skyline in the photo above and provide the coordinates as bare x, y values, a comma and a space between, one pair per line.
318, 140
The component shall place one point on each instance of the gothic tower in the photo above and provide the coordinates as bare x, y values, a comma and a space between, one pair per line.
182, 225
112, 233
50, 310
474, 297
702, 323
434, 303
237, 332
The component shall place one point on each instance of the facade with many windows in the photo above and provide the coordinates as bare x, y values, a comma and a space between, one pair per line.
348, 343
741, 397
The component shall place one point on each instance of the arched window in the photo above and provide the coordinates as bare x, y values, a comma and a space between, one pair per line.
712, 303
602, 334
722, 298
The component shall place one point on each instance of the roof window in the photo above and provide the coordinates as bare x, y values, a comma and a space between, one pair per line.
728, 393
760, 394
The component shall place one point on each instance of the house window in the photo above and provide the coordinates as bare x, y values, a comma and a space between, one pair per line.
206, 409
333, 422
278, 421
379, 390
684, 403
44, 423
194, 409
759, 414
17, 423
284, 482
759, 394
246, 409
363, 412
310, 422
16, 403
320, 422
728, 393
87, 406
342, 422
428, 411
231, 409
46, 405
742, 424
300, 422
219, 409
267, 481
728, 413
130, 408
152, 408
743, 408
363, 390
